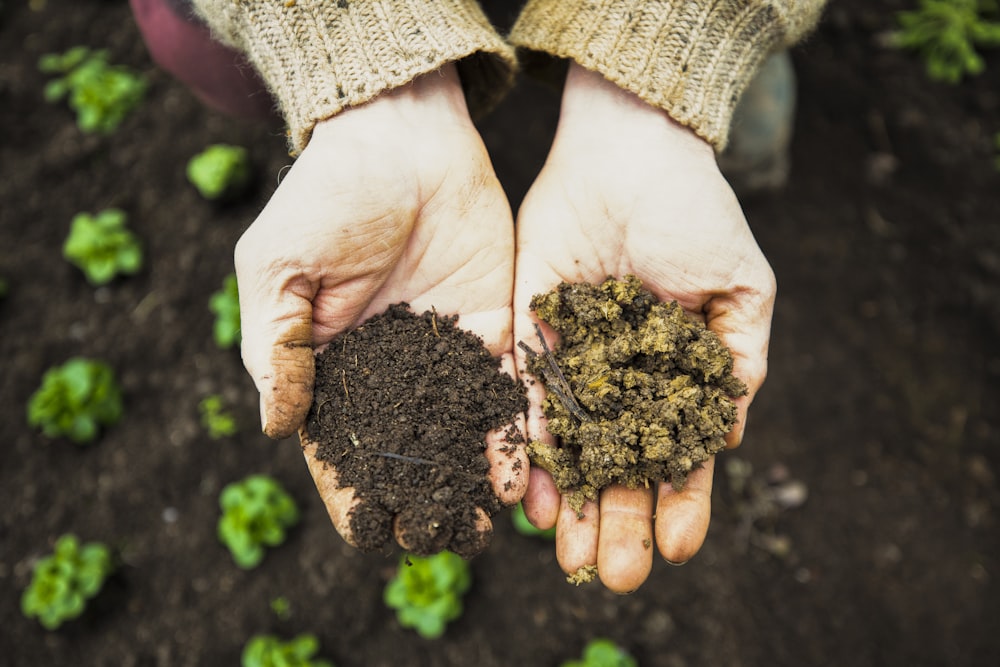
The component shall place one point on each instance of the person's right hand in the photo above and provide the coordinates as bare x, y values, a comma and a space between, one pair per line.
392, 201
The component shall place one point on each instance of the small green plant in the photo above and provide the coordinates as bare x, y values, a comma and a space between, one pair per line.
75, 400
102, 95
226, 305
102, 247
63, 581
524, 527
270, 651
603, 653
427, 592
946, 34
220, 171
217, 422
256, 512
281, 608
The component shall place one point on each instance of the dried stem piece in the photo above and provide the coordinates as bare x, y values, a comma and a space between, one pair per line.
555, 381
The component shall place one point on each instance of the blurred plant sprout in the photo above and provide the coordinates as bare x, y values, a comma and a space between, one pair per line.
62, 582
217, 422
270, 651
75, 400
946, 33
226, 305
602, 653
102, 247
102, 95
256, 512
427, 592
220, 171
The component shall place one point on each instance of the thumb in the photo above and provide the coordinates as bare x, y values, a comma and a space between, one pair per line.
743, 323
277, 351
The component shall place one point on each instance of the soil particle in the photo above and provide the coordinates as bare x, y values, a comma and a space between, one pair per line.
636, 390
401, 409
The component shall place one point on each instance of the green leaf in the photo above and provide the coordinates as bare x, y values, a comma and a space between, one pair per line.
256, 512
220, 171
75, 399
226, 306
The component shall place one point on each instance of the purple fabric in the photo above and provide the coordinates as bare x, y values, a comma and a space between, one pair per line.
182, 45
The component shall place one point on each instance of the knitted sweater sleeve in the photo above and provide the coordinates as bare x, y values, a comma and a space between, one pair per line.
691, 58
319, 57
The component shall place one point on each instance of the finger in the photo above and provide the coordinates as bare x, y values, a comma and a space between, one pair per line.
742, 320
625, 544
505, 452
682, 517
277, 346
339, 501
576, 536
541, 499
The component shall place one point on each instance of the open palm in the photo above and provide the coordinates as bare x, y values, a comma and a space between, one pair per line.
625, 190
392, 201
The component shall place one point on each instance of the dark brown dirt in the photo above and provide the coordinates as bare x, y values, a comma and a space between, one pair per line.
402, 406
636, 390
881, 397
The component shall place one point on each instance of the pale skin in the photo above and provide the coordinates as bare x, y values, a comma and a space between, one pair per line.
396, 200
392, 201
625, 189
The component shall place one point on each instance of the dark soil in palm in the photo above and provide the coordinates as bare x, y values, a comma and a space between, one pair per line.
636, 390
402, 406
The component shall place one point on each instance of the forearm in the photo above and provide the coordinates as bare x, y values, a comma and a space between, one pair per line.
691, 59
319, 57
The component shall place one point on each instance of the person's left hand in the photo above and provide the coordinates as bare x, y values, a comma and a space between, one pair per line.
627, 190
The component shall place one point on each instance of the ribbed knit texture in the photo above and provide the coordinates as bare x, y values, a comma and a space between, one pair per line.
320, 56
693, 59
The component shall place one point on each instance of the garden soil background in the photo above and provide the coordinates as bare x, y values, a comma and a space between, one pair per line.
882, 397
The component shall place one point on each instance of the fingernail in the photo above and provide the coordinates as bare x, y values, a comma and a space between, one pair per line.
263, 416
673, 564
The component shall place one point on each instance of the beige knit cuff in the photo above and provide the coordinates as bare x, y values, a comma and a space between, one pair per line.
691, 59
321, 56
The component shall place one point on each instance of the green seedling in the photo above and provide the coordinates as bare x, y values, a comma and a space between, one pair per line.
427, 592
102, 247
946, 34
281, 608
524, 527
270, 651
102, 95
603, 653
217, 422
226, 305
64, 581
220, 171
256, 512
75, 400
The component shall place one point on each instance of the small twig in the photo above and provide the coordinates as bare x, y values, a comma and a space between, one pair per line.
343, 380
554, 378
408, 459
434, 321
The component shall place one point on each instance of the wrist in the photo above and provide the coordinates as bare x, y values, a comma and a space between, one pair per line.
431, 101
601, 111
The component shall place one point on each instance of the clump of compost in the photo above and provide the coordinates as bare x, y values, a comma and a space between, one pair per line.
401, 409
636, 390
